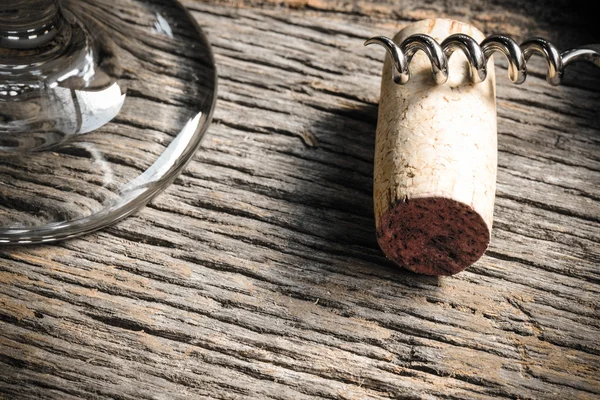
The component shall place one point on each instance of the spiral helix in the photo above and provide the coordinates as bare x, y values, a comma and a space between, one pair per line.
479, 54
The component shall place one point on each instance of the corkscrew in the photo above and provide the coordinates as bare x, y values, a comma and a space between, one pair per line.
479, 54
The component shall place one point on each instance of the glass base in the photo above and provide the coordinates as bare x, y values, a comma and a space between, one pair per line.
162, 66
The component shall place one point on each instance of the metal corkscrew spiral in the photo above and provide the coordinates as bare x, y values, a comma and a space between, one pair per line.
479, 54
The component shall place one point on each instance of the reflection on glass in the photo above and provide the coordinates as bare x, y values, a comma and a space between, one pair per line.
51, 82
102, 103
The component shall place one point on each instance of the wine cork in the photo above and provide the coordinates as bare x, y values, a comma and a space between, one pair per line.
436, 160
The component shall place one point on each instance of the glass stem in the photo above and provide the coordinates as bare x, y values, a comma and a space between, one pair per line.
28, 24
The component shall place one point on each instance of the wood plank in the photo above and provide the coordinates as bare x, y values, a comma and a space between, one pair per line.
257, 274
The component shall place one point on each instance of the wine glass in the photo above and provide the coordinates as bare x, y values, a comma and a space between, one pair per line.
102, 104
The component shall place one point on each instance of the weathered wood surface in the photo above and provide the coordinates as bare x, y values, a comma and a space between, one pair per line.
257, 274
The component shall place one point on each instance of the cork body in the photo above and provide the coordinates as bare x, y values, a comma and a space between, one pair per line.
435, 160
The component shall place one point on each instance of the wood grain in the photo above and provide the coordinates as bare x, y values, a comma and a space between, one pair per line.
258, 275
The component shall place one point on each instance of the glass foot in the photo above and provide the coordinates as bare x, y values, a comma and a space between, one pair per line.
102, 104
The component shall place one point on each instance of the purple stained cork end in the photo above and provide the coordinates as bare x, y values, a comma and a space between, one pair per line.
433, 236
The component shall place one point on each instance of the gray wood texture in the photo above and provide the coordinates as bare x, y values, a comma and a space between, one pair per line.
257, 275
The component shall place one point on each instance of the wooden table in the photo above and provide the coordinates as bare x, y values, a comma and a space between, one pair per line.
258, 275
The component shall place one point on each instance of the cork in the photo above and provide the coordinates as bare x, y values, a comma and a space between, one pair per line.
435, 160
